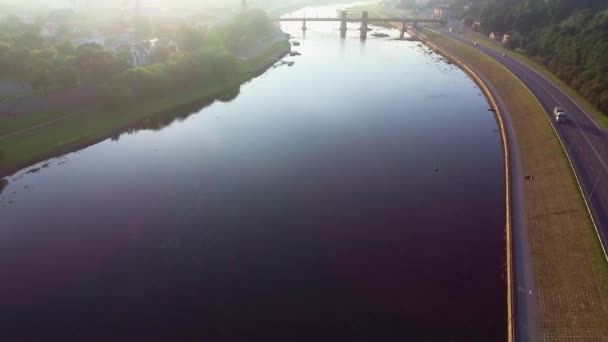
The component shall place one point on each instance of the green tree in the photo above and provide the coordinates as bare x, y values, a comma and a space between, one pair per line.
189, 38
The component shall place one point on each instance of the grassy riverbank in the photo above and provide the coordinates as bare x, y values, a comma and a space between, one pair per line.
570, 270
44, 135
587, 106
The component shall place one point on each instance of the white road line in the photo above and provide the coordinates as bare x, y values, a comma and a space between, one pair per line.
597, 154
599, 157
602, 129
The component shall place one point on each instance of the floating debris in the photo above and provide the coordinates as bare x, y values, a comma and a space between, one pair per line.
436, 169
288, 63
380, 35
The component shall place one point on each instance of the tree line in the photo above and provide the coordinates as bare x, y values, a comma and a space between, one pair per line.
203, 56
569, 37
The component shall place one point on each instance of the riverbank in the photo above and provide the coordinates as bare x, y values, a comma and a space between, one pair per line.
54, 134
570, 273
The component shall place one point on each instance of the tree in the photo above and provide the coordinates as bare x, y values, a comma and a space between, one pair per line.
37, 72
160, 53
65, 76
189, 38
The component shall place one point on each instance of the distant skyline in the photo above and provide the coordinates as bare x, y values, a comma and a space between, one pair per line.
42, 5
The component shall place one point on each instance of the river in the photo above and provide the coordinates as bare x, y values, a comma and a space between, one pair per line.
355, 196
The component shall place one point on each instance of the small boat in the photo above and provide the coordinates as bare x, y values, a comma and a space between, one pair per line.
296, 43
295, 53
380, 35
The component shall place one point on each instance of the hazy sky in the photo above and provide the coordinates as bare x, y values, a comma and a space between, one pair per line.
39, 7
117, 4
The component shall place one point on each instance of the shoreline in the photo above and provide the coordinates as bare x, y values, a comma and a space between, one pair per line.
255, 69
507, 142
557, 254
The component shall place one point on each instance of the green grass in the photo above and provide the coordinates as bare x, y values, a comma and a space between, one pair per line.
580, 100
90, 126
83, 127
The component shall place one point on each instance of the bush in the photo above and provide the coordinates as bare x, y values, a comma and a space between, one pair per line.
602, 102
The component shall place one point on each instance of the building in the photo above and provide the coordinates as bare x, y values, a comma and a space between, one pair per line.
476, 26
49, 30
506, 39
442, 12
496, 36
101, 41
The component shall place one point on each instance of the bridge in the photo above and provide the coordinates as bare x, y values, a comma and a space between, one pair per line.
364, 20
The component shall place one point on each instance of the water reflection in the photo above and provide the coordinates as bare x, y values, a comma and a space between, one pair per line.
3, 185
307, 206
159, 121
230, 95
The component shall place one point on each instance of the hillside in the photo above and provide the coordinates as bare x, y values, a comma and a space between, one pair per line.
569, 37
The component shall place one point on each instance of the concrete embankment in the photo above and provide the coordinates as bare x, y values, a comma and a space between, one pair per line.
497, 106
568, 287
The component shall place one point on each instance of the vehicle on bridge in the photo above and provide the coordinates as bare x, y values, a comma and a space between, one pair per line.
559, 114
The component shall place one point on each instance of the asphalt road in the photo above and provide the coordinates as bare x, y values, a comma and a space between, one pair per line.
585, 139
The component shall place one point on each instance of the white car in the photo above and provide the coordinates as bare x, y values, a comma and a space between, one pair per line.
559, 115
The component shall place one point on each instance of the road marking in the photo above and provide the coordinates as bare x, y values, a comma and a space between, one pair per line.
602, 129
598, 126
576, 175
524, 69
599, 157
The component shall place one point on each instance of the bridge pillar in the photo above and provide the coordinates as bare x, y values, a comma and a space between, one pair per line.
304, 28
403, 30
343, 23
364, 24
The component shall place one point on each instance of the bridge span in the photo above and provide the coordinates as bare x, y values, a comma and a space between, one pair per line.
365, 19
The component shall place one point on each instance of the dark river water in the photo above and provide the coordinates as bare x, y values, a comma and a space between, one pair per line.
356, 196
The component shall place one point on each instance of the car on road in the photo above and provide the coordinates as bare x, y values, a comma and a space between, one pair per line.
559, 115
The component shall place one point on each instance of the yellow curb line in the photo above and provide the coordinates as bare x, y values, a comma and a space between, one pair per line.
505, 145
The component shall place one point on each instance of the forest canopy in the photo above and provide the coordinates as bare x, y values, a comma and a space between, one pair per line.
202, 56
570, 37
